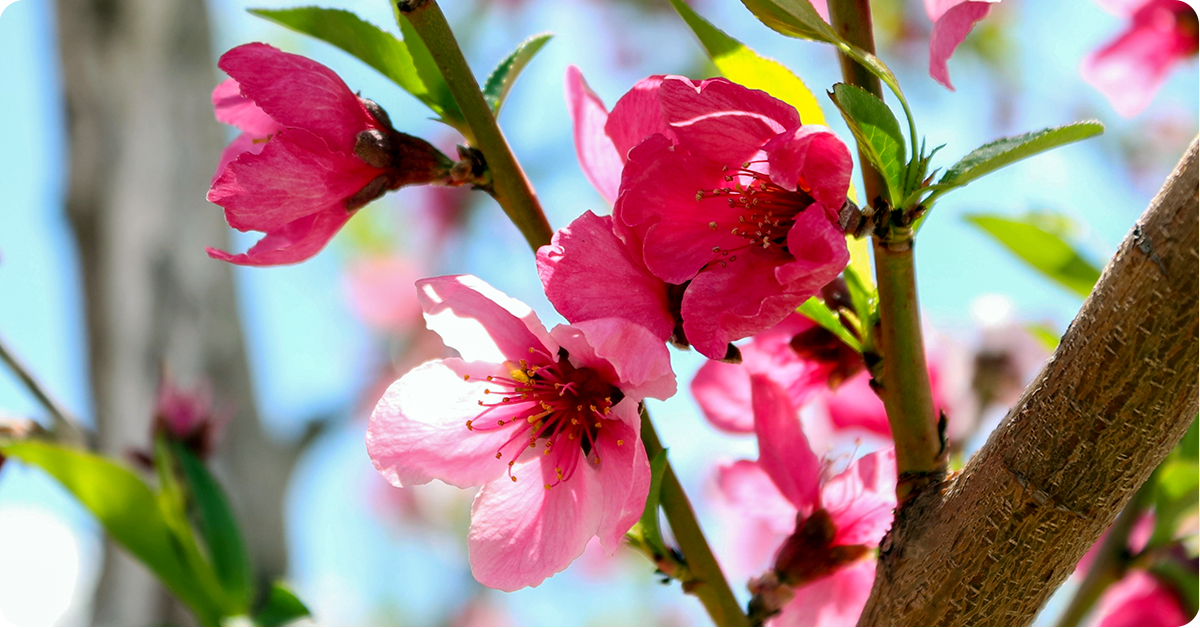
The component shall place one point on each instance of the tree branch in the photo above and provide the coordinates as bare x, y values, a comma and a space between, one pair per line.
990, 546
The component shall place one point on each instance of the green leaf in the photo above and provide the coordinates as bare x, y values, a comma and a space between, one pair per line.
1045, 335
282, 607
130, 513
864, 297
1002, 152
1041, 249
815, 309
219, 529
648, 523
794, 18
395, 59
1176, 493
877, 131
496, 89
427, 69
745, 67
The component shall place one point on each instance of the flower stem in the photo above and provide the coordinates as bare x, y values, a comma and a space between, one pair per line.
510, 187
1112, 559
901, 377
66, 428
708, 583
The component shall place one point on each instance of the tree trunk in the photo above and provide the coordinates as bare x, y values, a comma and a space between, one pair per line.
143, 145
990, 546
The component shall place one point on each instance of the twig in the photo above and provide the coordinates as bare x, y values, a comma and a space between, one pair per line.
66, 427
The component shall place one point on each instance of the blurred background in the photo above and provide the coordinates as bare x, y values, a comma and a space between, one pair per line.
107, 145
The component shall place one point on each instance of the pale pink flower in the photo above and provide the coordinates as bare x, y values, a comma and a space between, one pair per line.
952, 21
311, 152
1132, 67
716, 181
380, 292
823, 526
547, 422
1140, 599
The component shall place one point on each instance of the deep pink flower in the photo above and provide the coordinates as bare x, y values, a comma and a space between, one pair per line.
716, 201
310, 154
952, 21
1140, 599
822, 526
187, 416
1132, 67
548, 423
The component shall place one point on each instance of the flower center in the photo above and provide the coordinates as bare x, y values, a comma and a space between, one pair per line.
764, 212
550, 404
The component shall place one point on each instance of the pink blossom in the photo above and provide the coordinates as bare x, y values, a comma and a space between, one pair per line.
719, 204
547, 422
381, 294
952, 21
188, 416
1132, 67
1139, 536
310, 154
823, 525
1140, 599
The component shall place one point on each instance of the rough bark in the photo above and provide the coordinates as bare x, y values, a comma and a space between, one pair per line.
143, 143
990, 546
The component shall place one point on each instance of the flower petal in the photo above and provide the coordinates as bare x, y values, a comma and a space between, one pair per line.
481, 322
783, 451
950, 28
418, 430
725, 304
861, 498
624, 477
589, 273
299, 92
854, 404
292, 243
637, 115
816, 159
295, 175
723, 393
752, 493
521, 533
597, 155
820, 251
721, 120
231, 107
835, 600
1131, 69
1140, 599
624, 353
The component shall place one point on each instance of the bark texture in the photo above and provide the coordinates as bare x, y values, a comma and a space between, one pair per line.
143, 145
990, 546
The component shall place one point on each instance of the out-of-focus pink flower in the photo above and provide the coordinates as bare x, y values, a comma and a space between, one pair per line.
823, 526
1130, 69
187, 416
1139, 536
799, 355
952, 21
736, 201
548, 423
1140, 599
833, 382
310, 154
381, 292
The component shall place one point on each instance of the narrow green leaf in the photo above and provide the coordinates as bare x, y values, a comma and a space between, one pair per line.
427, 69
219, 529
1041, 249
877, 131
374, 46
496, 89
651, 533
794, 18
1045, 335
815, 309
282, 607
1002, 152
745, 67
1176, 493
129, 512
864, 297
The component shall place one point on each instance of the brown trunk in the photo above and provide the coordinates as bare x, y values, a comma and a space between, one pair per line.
143, 144
989, 546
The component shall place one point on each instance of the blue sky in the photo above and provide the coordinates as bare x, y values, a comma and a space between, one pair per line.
354, 566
